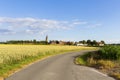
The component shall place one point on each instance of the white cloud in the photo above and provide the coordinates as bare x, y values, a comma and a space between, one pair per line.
39, 26
34, 25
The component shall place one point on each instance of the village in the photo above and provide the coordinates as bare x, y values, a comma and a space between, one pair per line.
57, 42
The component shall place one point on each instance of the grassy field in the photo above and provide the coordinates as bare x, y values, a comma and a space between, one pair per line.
107, 60
13, 57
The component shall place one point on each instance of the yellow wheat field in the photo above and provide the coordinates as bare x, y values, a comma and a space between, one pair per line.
10, 53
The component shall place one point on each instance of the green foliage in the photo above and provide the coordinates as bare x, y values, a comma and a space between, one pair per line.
92, 42
85, 59
106, 59
89, 42
26, 42
110, 52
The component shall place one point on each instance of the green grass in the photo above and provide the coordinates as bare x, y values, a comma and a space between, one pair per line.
81, 59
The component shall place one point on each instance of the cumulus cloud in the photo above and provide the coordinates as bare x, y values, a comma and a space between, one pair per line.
34, 25
30, 25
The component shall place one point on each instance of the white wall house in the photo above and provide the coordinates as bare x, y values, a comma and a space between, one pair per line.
80, 44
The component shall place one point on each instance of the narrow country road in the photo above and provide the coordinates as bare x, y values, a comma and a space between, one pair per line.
60, 67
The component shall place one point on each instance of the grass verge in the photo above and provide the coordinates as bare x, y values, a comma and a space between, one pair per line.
93, 59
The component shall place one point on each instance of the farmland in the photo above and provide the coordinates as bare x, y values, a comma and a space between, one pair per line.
14, 56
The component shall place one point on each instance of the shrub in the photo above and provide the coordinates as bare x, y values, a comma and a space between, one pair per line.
110, 52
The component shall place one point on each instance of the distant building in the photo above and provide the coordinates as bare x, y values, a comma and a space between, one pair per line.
100, 44
62, 42
46, 39
81, 44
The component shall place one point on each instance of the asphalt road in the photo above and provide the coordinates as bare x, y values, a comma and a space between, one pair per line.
60, 67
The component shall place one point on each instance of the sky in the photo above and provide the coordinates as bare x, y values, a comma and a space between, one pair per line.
69, 20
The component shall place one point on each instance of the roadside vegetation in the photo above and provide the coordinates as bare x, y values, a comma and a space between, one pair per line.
14, 57
107, 60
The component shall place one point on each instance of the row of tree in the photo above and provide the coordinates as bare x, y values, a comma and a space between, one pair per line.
92, 43
26, 42
61, 42
88, 42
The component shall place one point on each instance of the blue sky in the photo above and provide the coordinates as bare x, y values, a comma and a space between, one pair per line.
70, 20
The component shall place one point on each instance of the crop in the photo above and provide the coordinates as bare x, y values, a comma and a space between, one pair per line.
12, 56
15, 53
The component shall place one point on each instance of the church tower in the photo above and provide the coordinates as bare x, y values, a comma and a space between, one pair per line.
46, 39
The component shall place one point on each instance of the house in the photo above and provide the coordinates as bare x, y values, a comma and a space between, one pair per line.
81, 44
57, 42
100, 44
62, 42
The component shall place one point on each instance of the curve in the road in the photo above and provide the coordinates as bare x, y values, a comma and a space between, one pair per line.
60, 67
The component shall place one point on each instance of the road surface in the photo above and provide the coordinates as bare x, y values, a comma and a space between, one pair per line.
60, 67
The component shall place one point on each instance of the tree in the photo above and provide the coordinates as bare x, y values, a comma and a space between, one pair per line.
103, 42
94, 43
84, 42
89, 42
43, 42
34, 41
